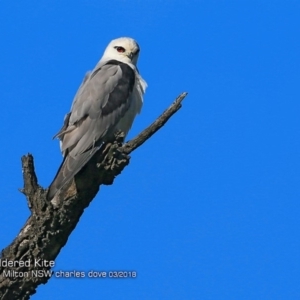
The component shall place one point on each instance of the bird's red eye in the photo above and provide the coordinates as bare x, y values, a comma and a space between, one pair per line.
120, 49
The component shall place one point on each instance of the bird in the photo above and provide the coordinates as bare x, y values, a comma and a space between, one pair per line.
107, 101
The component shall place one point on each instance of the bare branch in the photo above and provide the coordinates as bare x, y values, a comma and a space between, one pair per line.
155, 126
47, 229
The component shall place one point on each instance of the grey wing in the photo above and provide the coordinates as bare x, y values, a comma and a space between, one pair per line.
62, 131
98, 107
99, 104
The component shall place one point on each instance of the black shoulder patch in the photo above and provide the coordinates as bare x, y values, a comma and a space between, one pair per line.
119, 96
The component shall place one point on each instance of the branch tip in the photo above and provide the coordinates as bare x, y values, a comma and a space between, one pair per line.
155, 126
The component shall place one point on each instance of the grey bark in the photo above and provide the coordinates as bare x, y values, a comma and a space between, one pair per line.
48, 227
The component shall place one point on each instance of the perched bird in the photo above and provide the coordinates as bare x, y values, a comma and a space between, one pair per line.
107, 101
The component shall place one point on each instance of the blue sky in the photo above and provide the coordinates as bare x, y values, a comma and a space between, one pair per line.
209, 207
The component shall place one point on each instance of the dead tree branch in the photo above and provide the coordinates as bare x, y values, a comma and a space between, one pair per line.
47, 229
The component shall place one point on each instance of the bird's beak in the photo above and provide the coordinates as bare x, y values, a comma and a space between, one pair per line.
134, 53
130, 55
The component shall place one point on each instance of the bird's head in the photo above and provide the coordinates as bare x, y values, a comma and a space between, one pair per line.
123, 49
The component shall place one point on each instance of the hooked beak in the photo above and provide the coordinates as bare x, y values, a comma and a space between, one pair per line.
130, 55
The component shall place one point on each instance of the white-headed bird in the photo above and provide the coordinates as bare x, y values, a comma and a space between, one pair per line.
107, 101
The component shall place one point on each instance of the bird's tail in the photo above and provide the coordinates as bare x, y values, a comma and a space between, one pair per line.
68, 169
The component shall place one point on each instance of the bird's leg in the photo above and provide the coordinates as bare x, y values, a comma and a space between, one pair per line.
106, 148
112, 156
119, 137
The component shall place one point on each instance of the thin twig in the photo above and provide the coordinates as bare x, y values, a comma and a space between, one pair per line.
155, 126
